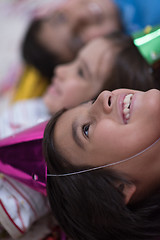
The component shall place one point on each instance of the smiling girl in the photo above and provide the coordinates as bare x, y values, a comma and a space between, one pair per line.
103, 162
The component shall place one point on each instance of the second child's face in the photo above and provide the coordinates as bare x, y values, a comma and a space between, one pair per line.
82, 79
116, 126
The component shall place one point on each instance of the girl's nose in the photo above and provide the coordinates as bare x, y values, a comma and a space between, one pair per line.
61, 72
103, 103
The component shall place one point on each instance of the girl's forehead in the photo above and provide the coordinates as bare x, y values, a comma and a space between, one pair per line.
101, 42
62, 134
99, 55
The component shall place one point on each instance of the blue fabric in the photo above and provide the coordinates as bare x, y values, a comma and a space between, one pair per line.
137, 14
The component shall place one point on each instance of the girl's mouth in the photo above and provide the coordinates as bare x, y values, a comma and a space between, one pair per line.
126, 107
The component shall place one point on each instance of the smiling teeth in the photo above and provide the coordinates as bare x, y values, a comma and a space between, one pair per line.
126, 106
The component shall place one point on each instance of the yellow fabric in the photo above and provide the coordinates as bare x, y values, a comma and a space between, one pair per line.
32, 84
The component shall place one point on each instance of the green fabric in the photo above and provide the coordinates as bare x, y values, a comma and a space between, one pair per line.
148, 43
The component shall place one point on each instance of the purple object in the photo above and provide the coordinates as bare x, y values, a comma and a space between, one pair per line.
21, 157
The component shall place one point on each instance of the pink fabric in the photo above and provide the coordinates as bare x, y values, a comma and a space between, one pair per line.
29, 134
21, 157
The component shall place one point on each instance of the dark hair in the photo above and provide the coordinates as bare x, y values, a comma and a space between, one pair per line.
89, 207
130, 69
35, 54
156, 73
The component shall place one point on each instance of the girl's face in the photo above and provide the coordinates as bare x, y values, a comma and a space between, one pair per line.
117, 125
75, 23
82, 79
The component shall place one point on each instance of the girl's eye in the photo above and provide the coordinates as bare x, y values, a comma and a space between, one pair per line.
61, 17
80, 72
85, 130
58, 18
93, 100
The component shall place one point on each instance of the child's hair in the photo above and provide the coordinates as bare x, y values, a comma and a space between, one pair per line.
89, 206
129, 69
156, 73
35, 54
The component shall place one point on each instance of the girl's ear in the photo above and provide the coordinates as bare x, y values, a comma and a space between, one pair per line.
127, 189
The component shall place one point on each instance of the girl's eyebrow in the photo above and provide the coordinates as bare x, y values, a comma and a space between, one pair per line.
75, 134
